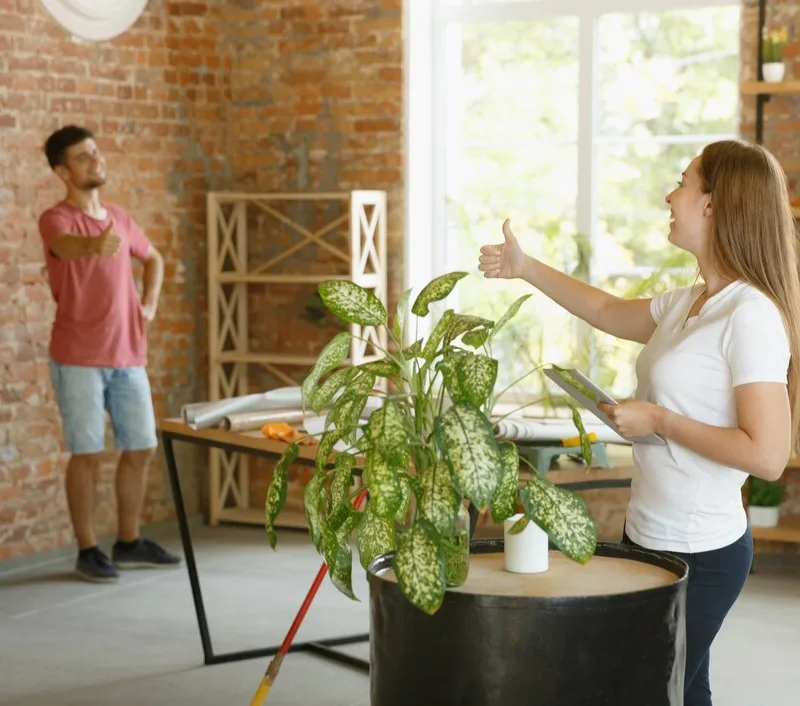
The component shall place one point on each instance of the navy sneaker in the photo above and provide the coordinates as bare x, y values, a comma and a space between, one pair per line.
144, 554
93, 565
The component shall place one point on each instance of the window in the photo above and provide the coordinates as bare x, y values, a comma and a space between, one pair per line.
574, 120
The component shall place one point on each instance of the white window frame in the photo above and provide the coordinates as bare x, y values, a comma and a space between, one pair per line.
425, 135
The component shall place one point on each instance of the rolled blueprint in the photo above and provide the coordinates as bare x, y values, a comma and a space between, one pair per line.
204, 415
525, 429
248, 421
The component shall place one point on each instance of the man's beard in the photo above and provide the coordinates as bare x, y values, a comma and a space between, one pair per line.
93, 183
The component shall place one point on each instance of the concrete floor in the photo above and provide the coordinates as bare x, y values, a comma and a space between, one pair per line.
71, 643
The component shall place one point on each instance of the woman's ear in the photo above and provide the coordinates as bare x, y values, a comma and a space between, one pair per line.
708, 209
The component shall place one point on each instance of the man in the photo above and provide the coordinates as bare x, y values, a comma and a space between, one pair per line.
98, 349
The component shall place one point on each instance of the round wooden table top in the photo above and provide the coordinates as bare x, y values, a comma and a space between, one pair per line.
601, 575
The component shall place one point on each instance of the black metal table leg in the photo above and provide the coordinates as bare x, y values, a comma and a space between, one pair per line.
188, 550
320, 647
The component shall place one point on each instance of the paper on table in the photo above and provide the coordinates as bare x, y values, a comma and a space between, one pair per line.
519, 429
203, 415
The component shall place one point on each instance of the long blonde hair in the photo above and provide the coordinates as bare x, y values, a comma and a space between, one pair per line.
754, 239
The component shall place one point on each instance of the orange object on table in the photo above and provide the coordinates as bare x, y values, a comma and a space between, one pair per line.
281, 431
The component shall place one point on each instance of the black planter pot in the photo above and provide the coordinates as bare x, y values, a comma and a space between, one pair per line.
619, 649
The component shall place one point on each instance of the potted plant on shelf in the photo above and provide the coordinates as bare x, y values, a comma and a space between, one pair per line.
763, 501
773, 43
428, 449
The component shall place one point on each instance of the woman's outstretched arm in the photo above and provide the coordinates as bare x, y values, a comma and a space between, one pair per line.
629, 319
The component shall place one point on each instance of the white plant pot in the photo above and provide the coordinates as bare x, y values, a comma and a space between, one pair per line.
527, 552
763, 516
773, 71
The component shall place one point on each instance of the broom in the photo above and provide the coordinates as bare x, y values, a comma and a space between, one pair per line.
275, 664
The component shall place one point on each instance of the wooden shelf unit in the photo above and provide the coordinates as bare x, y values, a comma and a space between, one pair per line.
787, 531
768, 88
229, 274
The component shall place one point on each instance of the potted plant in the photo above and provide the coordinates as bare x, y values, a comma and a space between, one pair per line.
773, 43
429, 448
763, 501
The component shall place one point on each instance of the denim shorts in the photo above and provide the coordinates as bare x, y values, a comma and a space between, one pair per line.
85, 394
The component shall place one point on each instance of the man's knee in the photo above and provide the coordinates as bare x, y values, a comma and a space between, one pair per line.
139, 457
88, 463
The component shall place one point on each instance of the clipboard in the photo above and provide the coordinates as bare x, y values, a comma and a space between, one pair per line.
590, 403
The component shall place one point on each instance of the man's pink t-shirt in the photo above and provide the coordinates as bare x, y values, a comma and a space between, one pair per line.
99, 320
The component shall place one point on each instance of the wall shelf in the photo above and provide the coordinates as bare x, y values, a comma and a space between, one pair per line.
766, 88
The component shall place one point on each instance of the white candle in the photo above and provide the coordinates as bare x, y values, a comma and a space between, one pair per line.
528, 551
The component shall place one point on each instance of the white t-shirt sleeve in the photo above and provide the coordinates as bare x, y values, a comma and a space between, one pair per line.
662, 303
755, 344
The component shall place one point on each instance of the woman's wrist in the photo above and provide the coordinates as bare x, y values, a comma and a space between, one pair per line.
663, 418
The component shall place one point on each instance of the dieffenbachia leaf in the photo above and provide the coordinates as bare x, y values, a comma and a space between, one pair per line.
313, 498
476, 338
510, 313
438, 499
437, 335
398, 325
504, 501
466, 322
331, 357
353, 303
468, 377
471, 452
436, 290
343, 466
387, 429
405, 504
586, 444
363, 383
326, 444
413, 351
386, 493
570, 379
374, 536
419, 567
339, 558
346, 411
329, 387
563, 515
276, 493
519, 525
382, 368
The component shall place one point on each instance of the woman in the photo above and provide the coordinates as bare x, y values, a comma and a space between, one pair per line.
717, 377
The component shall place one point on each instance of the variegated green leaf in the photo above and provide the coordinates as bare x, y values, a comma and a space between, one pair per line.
570, 379
276, 493
398, 325
346, 411
466, 322
339, 559
387, 429
419, 567
511, 312
437, 335
436, 290
476, 338
343, 466
520, 525
586, 445
405, 504
313, 499
382, 368
330, 386
386, 493
331, 357
563, 515
364, 383
353, 303
504, 501
438, 498
326, 444
413, 351
375, 536
468, 377
471, 452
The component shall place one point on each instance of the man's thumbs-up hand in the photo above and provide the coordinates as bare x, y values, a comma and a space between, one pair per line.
108, 242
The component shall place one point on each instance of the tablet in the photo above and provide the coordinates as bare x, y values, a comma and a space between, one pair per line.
589, 395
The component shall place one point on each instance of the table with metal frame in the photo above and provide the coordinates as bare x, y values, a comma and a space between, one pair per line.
172, 430
254, 444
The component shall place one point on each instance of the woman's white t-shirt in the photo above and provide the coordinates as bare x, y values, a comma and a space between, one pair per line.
680, 500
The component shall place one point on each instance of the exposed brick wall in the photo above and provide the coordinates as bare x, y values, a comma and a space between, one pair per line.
262, 95
155, 98
782, 137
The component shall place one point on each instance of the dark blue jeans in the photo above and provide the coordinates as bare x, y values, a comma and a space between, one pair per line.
716, 579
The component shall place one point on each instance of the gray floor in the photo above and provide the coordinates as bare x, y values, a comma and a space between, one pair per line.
67, 642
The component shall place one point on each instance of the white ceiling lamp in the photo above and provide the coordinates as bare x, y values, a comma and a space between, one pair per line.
95, 20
